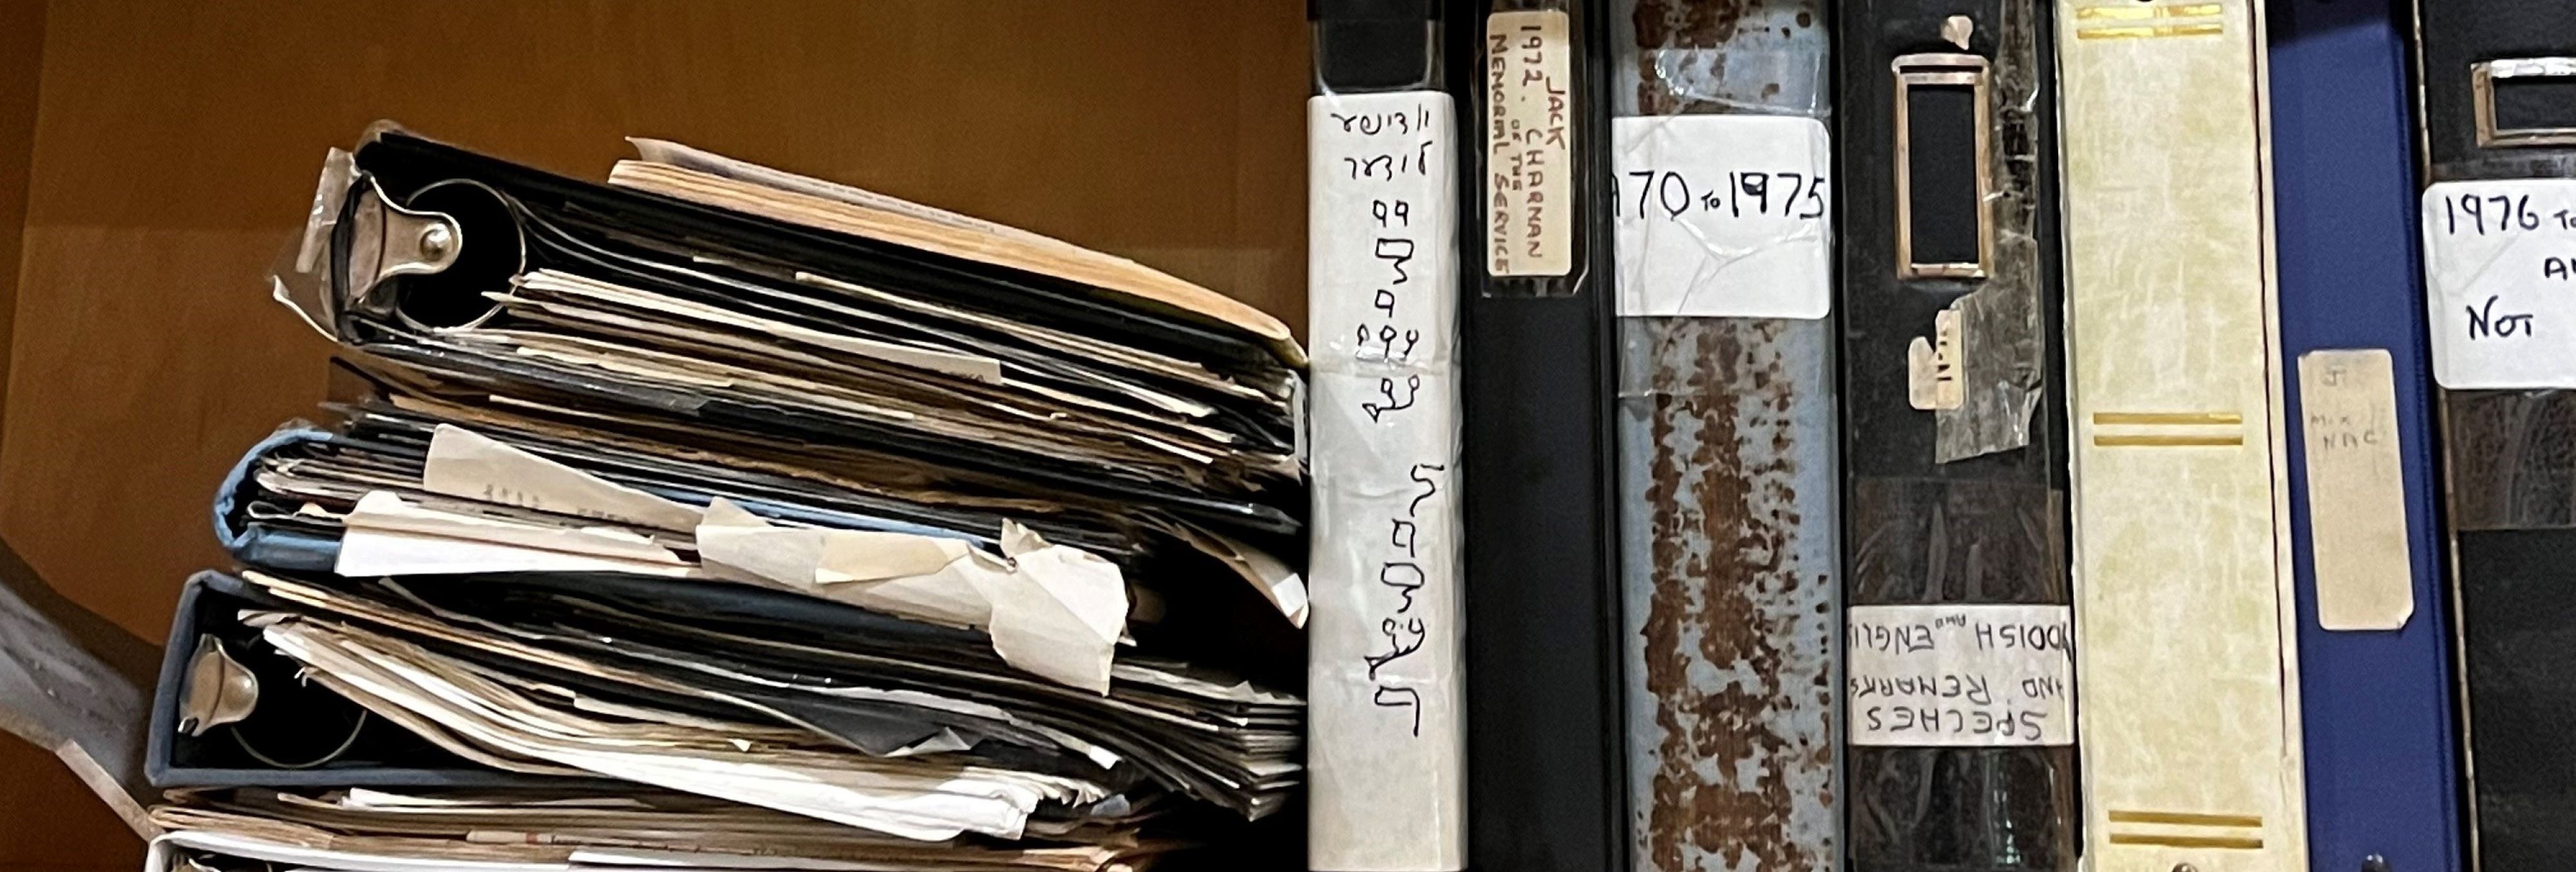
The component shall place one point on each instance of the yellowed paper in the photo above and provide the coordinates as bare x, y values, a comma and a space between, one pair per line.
1529, 165
2356, 490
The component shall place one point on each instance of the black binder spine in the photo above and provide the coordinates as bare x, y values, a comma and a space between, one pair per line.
1954, 412
1543, 741
2497, 92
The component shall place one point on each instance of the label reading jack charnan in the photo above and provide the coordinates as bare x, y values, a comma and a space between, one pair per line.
1961, 675
1529, 162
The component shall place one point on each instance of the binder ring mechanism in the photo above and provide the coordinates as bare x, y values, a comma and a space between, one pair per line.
1943, 70
2482, 78
365, 258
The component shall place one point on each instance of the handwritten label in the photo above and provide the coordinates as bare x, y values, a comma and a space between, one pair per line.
1723, 216
1961, 675
2500, 282
2356, 490
1387, 749
1529, 163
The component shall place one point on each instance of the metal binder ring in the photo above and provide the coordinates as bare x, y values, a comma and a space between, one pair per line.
427, 263
356, 728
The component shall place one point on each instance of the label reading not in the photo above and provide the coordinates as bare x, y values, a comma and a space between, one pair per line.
1961, 675
2500, 282
2356, 489
1723, 216
1529, 128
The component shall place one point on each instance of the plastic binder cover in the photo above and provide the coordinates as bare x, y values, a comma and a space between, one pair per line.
2373, 651
1955, 404
2189, 725
1543, 727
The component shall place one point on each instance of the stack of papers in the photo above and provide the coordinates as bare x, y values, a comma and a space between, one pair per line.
719, 517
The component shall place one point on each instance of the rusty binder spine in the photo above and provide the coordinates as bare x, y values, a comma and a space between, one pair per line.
1727, 473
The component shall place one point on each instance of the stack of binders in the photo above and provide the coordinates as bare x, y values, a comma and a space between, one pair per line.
718, 517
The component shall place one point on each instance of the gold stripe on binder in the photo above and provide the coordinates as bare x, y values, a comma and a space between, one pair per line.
2186, 829
2168, 429
2126, 20
2125, 816
2242, 843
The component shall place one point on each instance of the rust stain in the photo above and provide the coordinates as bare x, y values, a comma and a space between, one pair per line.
1722, 532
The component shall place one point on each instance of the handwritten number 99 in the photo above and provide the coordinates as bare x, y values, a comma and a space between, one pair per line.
1400, 211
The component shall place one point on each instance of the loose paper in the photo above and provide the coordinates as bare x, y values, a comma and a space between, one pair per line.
387, 535
2500, 282
1529, 164
1052, 610
1723, 216
1961, 675
2356, 490
466, 464
1386, 745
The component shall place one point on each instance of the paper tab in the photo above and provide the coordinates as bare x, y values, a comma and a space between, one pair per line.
1723, 216
1961, 675
1932, 366
2500, 282
466, 464
1052, 610
387, 535
2356, 490
1529, 163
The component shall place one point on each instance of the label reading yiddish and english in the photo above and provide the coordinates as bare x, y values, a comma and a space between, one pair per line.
1960, 675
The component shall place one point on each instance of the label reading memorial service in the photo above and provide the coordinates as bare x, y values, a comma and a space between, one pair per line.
2500, 282
1723, 216
1961, 675
1529, 163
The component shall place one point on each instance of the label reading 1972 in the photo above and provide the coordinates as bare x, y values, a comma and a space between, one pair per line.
1529, 153
1961, 675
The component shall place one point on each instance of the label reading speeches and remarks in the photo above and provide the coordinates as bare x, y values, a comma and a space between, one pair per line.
1723, 216
1961, 675
2500, 282
1529, 130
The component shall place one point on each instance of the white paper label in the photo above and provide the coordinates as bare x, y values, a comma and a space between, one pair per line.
1723, 216
2500, 282
1529, 164
1961, 675
1386, 750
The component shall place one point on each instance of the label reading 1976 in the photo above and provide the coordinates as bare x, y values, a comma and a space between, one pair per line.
1961, 675
2500, 282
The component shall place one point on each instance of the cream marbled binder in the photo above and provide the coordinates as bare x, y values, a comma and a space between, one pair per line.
2189, 716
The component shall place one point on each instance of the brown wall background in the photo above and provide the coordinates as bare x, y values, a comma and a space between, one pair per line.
169, 148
